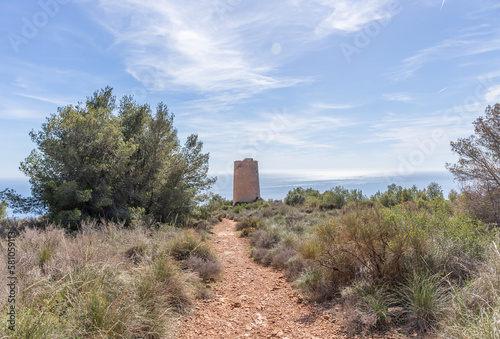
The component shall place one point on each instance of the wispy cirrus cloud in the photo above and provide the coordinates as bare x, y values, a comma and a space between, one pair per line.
351, 16
181, 45
467, 44
403, 97
226, 55
271, 133
332, 106
56, 101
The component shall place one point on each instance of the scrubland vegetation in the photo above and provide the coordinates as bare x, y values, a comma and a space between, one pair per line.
405, 259
105, 280
421, 265
115, 253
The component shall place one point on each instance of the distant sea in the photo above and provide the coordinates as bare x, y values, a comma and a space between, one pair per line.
22, 186
277, 186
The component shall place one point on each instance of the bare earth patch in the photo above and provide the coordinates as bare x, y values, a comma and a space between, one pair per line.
252, 301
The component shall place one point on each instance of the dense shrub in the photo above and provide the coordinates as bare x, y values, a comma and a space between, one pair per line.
120, 162
336, 197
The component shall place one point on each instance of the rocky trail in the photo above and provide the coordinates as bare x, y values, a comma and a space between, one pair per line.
251, 301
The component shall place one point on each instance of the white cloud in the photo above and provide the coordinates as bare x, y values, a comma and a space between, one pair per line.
492, 95
405, 133
332, 106
351, 16
54, 101
279, 134
181, 45
464, 45
223, 49
403, 97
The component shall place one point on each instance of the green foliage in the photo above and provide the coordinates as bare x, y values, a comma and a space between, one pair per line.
313, 281
257, 205
367, 242
484, 325
34, 322
476, 307
217, 202
298, 196
426, 298
190, 243
45, 255
70, 218
20, 204
138, 214
401, 265
396, 195
453, 195
337, 197
90, 162
373, 300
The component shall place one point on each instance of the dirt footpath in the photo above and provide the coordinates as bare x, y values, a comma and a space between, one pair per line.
252, 301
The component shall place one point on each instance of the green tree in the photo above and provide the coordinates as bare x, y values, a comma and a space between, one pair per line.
355, 195
336, 197
434, 190
478, 167
101, 160
453, 195
298, 195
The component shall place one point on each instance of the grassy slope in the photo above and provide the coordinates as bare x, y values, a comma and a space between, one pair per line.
105, 280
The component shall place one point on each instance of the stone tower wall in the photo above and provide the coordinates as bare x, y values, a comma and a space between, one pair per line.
246, 187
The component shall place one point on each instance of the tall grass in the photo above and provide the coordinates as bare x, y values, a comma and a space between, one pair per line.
103, 281
477, 306
426, 298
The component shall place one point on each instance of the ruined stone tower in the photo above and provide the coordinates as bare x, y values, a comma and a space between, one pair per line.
246, 186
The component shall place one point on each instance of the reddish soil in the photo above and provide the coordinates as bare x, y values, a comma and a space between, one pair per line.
251, 301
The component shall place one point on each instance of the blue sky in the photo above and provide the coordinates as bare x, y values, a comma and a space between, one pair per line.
323, 89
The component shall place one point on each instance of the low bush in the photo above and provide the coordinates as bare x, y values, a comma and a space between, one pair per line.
189, 243
207, 269
318, 287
